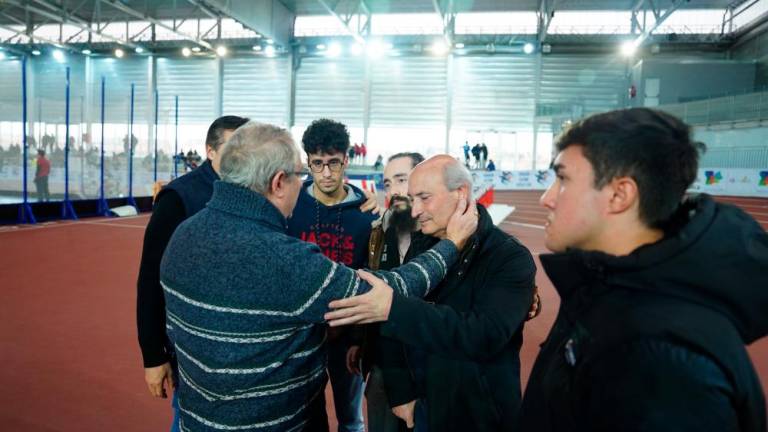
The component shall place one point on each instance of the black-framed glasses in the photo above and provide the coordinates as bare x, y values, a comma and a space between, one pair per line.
317, 166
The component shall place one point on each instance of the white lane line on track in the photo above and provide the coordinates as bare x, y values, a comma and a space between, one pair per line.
523, 224
58, 224
114, 225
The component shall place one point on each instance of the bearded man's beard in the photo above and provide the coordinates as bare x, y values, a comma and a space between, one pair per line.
401, 218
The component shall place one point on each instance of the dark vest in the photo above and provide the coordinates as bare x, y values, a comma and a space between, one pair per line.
195, 188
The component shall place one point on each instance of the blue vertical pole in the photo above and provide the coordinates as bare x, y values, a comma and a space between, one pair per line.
131, 201
67, 211
25, 210
157, 106
176, 143
103, 208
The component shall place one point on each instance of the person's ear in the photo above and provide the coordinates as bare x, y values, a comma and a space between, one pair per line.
277, 185
624, 195
464, 192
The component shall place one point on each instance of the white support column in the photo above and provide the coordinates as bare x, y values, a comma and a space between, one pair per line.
218, 99
91, 104
448, 101
290, 120
367, 99
33, 107
536, 97
149, 112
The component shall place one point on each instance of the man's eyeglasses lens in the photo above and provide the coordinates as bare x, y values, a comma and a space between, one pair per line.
318, 165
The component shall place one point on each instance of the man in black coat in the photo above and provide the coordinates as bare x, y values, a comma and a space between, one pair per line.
177, 201
659, 293
469, 329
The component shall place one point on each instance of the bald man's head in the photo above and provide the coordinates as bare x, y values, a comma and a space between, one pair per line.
435, 187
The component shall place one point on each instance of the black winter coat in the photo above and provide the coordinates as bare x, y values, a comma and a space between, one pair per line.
471, 329
654, 341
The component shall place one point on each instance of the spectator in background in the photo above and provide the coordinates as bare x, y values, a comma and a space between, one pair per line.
358, 152
42, 171
351, 153
491, 166
466, 152
177, 201
476, 155
189, 162
483, 155
180, 159
379, 163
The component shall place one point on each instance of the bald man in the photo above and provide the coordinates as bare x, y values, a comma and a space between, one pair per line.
463, 340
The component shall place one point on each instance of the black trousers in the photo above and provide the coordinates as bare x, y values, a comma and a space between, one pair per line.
41, 184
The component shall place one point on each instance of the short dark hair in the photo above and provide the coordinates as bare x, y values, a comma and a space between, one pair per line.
326, 136
416, 158
650, 146
213, 138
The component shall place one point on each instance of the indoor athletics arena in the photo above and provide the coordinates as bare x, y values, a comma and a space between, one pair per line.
190, 190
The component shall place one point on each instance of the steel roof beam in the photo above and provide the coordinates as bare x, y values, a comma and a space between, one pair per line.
447, 19
345, 23
216, 14
61, 16
158, 23
545, 14
660, 18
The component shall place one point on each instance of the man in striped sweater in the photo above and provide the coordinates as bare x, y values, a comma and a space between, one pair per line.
244, 299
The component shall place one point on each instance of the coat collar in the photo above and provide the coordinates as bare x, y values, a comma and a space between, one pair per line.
574, 269
243, 202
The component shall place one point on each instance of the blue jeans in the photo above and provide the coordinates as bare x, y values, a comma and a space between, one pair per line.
347, 388
420, 419
175, 406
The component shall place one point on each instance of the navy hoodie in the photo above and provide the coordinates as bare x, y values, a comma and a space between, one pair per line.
341, 231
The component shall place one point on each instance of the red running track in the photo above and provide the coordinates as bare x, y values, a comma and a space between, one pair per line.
68, 341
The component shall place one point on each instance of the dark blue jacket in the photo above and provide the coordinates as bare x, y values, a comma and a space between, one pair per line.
342, 230
195, 188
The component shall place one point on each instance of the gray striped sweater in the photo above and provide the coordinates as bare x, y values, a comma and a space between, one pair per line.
245, 305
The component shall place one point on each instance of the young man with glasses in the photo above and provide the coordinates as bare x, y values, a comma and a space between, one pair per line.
335, 216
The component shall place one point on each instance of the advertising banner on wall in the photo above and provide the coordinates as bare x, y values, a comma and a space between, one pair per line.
725, 182
513, 180
732, 182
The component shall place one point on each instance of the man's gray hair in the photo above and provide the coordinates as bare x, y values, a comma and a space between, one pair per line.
455, 175
255, 153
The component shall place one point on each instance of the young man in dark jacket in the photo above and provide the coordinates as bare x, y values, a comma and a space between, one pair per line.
177, 201
469, 328
659, 293
328, 213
